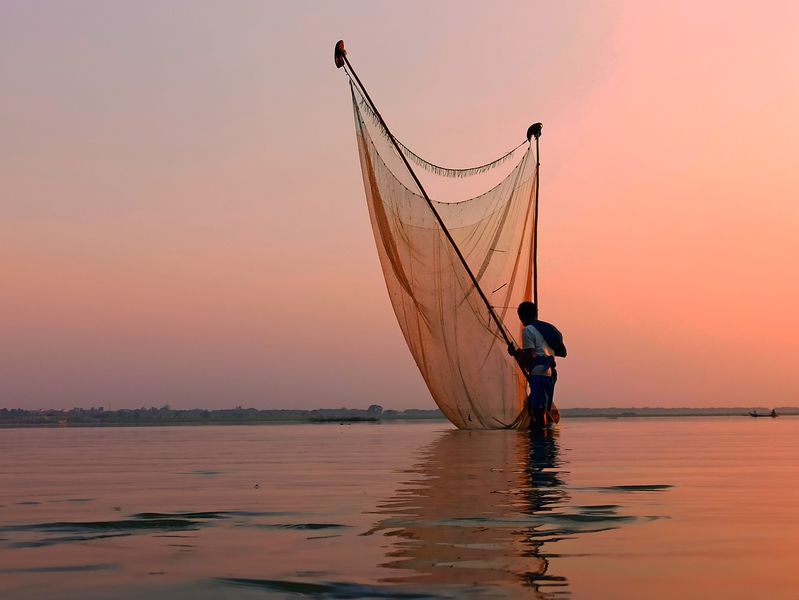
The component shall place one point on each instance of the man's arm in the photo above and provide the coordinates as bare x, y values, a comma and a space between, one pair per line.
525, 356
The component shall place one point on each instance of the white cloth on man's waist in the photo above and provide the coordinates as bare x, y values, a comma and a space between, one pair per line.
532, 338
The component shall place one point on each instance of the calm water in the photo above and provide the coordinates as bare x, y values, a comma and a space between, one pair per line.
626, 508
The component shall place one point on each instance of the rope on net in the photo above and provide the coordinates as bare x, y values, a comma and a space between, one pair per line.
427, 165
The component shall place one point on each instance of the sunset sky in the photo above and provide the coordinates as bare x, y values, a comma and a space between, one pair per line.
182, 215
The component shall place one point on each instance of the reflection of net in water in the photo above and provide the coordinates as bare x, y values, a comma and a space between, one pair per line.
475, 513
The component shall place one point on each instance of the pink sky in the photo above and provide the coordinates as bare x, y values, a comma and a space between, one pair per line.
182, 218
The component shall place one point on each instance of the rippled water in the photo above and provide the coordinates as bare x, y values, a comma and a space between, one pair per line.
626, 508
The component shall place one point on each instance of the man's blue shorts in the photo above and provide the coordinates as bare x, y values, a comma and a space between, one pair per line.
541, 392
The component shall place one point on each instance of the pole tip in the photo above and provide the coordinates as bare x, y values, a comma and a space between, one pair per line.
339, 53
534, 131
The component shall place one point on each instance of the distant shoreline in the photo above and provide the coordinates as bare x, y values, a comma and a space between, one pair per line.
165, 416
612, 413
98, 417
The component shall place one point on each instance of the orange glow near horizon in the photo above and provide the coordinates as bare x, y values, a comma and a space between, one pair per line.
182, 219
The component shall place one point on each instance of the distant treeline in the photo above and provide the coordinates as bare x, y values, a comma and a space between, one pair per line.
674, 412
168, 416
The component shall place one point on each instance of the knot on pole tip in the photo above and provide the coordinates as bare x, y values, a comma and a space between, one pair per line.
339, 53
534, 131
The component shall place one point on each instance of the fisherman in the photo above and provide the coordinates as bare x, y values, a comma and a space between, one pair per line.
537, 357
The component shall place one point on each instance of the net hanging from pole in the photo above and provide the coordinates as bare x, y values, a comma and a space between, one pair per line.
455, 342
364, 107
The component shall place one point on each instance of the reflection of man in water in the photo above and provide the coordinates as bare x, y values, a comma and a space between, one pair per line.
538, 358
457, 521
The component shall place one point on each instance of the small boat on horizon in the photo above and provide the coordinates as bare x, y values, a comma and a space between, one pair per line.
772, 414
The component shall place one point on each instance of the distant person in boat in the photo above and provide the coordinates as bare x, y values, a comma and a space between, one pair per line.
541, 342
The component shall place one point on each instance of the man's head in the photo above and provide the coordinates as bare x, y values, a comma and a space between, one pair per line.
528, 312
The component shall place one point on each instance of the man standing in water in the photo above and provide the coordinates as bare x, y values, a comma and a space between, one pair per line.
537, 357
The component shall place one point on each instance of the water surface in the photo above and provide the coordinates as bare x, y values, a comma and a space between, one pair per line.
623, 508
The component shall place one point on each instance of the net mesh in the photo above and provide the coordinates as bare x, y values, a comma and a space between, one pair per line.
456, 344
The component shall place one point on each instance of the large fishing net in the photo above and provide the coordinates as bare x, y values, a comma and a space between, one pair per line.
456, 344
